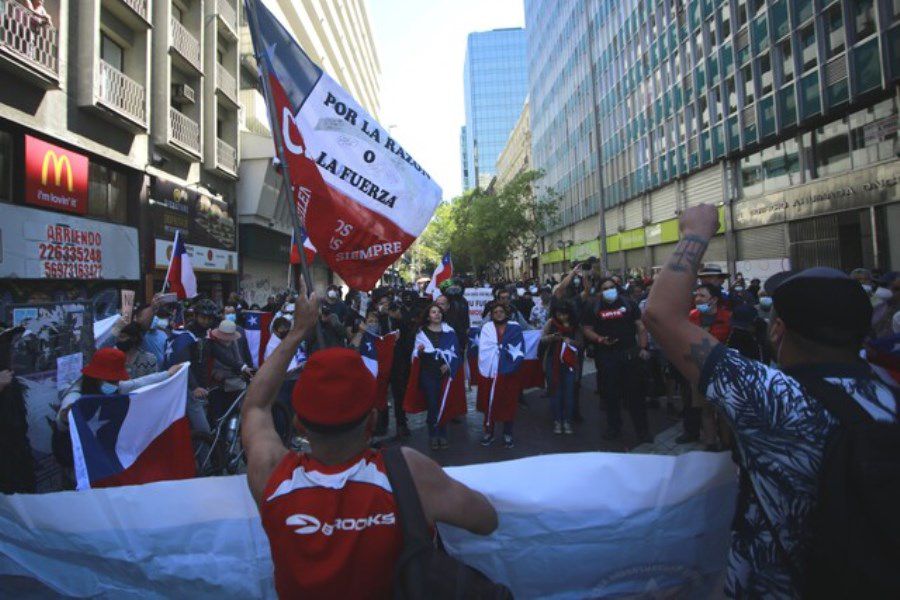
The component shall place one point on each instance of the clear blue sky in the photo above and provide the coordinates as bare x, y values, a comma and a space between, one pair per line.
421, 46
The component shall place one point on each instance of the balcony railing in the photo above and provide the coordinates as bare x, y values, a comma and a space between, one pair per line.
226, 156
226, 82
24, 36
138, 6
184, 131
122, 93
185, 44
227, 14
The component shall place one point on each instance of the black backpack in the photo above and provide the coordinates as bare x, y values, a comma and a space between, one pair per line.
424, 571
855, 546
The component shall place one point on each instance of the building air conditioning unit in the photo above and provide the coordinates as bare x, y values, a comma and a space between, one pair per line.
182, 93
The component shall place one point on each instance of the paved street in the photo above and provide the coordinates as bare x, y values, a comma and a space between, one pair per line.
534, 435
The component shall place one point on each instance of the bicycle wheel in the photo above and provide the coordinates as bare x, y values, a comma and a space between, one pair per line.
209, 458
283, 420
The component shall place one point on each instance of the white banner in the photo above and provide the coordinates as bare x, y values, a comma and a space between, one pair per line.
202, 258
38, 244
477, 299
571, 526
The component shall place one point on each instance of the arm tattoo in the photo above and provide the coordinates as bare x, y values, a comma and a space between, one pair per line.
688, 253
700, 352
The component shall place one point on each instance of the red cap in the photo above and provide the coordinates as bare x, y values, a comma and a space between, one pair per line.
108, 364
335, 388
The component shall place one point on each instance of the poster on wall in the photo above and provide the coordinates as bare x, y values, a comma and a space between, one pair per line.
46, 356
37, 244
206, 221
55, 177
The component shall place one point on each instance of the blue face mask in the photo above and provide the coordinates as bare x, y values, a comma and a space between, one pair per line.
231, 317
765, 302
704, 308
611, 294
159, 323
108, 388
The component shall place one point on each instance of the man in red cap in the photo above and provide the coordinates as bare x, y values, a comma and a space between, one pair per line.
330, 514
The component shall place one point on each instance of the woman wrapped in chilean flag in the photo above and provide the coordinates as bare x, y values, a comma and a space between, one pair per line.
501, 352
436, 380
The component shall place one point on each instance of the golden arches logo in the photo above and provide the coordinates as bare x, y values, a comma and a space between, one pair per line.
59, 163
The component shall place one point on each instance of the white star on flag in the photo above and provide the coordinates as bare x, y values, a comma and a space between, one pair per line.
515, 351
252, 321
448, 355
95, 422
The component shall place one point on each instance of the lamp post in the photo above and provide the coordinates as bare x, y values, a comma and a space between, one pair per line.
562, 245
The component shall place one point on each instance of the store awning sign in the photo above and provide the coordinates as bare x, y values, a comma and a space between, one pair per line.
55, 177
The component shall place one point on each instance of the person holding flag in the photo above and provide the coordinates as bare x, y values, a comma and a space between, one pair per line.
501, 352
436, 381
563, 339
377, 351
443, 272
180, 278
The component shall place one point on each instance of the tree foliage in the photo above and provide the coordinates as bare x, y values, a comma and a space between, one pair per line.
483, 227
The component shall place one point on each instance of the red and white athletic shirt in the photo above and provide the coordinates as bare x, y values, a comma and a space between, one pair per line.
333, 529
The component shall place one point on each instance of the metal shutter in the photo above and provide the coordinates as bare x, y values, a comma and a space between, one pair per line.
663, 203
715, 252
762, 242
634, 213
662, 253
615, 261
705, 186
613, 220
635, 258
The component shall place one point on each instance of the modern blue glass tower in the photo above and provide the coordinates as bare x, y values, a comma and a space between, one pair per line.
496, 83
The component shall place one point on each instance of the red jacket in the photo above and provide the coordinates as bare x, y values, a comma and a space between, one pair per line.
721, 326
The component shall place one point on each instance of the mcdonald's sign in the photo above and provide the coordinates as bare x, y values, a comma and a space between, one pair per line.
55, 177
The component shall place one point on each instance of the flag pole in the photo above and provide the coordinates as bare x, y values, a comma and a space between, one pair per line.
165, 284
279, 149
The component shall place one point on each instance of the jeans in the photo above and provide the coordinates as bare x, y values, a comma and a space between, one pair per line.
563, 399
430, 384
196, 414
619, 373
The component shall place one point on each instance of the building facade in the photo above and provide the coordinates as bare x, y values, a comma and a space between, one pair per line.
338, 37
118, 127
495, 80
784, 113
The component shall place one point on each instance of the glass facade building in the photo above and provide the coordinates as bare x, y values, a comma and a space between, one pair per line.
644, 107
495, 80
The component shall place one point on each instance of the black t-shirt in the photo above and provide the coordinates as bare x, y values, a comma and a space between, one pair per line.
617, 320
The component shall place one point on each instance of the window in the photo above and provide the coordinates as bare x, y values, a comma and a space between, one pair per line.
767, 116
765, 74
178, 13
834, 31
747, 78
781, 166
742, 13
112, 53
867, 66
106, 193
778, 14
808, 46
715, 101
788, 106
787, 62
725, 16
751, 176
760, 35
704, 112
731, 95
832, 149
864, 18
873, 133
803, 10
809, 96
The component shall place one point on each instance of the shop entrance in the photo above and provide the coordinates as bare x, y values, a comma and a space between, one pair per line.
842, 241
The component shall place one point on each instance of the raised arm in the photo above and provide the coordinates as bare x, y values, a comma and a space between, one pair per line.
666, 317
560, 290
258, 435
446, 500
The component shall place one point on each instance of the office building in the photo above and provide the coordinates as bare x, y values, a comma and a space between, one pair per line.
782, 112
118, 127
338, 37
495, 80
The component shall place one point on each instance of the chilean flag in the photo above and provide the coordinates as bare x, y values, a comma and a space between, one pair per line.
453, 390
129, 439
308, 249
442, 273
363, 199
532, 370
500, 378
296, 362
180, 276
257, 328
378, 356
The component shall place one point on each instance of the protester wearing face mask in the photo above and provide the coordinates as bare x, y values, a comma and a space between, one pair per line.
155, 338
137, 361
333, 303
231, 313
613, 325
888, 293
764, 305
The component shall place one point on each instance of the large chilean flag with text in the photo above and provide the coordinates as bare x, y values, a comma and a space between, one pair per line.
362, 197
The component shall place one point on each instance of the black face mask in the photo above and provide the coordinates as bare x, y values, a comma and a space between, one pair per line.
126, 345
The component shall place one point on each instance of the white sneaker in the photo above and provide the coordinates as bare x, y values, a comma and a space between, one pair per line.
567, 428
557, 427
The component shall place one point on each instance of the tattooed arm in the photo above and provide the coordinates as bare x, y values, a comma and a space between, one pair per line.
666, 316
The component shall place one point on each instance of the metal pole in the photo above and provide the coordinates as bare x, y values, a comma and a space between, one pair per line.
285, 168
604, 260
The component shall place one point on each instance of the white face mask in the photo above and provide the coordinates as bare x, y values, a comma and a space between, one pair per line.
611, 294
159, 323
867, 288
884, 294
108, 388
332, 295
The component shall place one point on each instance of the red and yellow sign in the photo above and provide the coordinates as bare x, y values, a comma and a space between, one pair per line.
55, 177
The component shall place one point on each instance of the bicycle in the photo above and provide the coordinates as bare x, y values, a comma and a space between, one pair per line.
220, 452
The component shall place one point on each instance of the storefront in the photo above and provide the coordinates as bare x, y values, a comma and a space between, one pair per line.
207, 225
65, 231
265, 253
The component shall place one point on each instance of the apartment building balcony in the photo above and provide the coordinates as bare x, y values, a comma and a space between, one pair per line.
227, 17
185, 44
226, 84
139, 8
28, 47
123, 96
226, 157
184, 134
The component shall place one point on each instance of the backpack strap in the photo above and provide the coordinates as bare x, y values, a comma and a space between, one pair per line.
412, 517
835, 399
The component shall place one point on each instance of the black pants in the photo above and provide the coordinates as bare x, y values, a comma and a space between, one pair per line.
399, 381
619, 373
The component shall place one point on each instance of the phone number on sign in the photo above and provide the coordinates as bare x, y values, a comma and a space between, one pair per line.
67, 270
70, 253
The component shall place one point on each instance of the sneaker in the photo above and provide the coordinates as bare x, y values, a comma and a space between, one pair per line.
567, 428
434, 443
686, 438
507, 441
487, 439
557, 427
444, 443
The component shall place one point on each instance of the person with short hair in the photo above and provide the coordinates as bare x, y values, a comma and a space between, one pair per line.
137, 361
308, 501
781, 430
